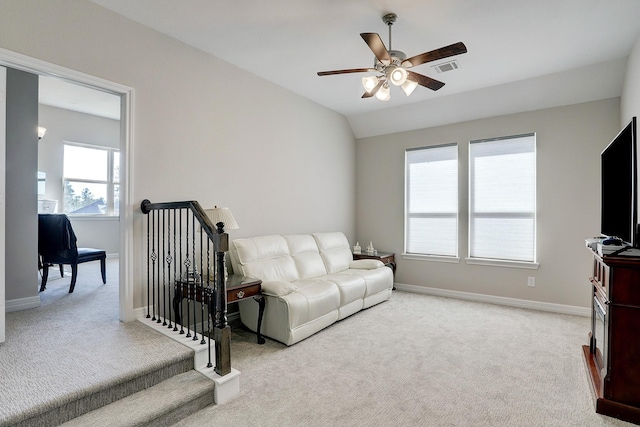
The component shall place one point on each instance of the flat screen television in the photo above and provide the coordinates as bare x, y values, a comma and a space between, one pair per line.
619, 175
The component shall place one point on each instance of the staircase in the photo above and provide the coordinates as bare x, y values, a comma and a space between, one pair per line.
171, 400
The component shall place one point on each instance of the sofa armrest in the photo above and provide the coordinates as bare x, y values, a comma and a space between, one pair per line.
277, 288
366, 264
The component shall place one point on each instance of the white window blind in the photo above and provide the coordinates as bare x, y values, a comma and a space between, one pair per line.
431, 197
502, 198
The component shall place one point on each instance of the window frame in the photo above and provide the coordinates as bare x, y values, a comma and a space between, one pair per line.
530, 264
442, 257
110, 182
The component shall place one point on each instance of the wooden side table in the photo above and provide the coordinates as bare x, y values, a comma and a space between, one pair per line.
238, 288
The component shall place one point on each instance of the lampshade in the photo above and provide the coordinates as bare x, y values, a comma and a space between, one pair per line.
398, 76
409, 86
369, 83
383, 93
41, 132
222, 215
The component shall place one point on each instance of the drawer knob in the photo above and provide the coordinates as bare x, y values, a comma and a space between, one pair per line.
240, 294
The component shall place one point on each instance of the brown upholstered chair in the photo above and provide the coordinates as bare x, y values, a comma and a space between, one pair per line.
57, 245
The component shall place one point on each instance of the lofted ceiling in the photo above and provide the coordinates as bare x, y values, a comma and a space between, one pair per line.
522, 54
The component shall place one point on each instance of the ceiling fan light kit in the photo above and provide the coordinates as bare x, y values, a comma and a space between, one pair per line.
392, 65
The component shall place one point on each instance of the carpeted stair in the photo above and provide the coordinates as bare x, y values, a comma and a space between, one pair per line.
137, 397
161, 405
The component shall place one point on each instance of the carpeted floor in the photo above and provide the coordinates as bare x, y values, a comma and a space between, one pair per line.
417, 360
74, 343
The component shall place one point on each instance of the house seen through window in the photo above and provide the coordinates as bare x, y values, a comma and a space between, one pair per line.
91, 176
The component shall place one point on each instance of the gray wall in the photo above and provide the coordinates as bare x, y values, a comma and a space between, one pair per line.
22, 160
65, 125
569, 142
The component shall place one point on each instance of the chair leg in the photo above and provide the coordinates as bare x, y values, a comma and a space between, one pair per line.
45, 276
74, 275
103, 270
61, 270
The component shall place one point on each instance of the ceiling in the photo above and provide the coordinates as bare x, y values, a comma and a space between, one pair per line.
522, 54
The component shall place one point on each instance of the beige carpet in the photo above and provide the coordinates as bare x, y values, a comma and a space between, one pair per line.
417, 360
69, 348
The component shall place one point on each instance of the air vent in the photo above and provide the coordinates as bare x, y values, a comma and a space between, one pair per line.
447, 66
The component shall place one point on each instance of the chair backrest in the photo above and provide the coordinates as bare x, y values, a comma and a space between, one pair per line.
56, 239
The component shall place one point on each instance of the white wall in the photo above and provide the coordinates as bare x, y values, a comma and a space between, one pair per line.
65, 125
203, 129
569, 141
630, 100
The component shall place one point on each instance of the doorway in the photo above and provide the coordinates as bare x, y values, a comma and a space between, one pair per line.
124, 95
79, 161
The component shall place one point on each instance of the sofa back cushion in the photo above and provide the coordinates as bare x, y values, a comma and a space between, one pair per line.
334, 250
306, 256
265, 257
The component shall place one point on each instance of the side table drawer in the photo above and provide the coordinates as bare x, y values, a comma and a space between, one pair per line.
234, 295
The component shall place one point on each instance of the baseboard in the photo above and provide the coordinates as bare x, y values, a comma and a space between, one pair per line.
22, 303
512, 302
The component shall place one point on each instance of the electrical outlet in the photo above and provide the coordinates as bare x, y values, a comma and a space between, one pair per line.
531, 281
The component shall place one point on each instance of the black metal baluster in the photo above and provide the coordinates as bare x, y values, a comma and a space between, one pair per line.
209, 300
159, 267
188, 280
202, 296
148, 273
175, 279
195, 276
153, 264
181, 282
169, 261
164, 278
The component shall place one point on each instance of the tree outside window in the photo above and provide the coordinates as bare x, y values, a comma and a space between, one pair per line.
91, 180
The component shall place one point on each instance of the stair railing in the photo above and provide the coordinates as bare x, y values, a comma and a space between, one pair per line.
180, 241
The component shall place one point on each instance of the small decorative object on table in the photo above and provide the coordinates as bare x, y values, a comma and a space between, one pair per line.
357, 249
370, 250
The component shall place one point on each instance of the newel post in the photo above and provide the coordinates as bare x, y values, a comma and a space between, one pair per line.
221, 330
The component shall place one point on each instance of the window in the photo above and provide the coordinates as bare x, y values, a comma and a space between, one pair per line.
91, 180
502, 198
431, 197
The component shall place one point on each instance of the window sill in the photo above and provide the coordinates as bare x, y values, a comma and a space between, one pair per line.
503, 263
435, 258
94, 217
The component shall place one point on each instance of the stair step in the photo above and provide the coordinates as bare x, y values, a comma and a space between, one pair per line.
161, 405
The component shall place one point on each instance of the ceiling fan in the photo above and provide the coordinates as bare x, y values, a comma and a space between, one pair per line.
393, 65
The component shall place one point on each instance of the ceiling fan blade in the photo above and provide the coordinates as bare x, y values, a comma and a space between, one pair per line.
351, 70
374, 90
424, 80
377, 46
434, 55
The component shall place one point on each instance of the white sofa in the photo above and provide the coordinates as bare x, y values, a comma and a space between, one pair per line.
309, 282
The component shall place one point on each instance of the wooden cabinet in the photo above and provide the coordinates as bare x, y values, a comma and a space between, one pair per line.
613, 353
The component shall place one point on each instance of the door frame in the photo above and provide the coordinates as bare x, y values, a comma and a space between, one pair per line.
25, 63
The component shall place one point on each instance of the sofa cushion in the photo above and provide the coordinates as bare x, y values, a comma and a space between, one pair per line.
376, 280
312, 299
265, 257
351, 287
335, 251
304, 250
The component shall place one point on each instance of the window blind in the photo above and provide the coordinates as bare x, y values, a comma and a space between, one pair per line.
431, 200
502, 198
